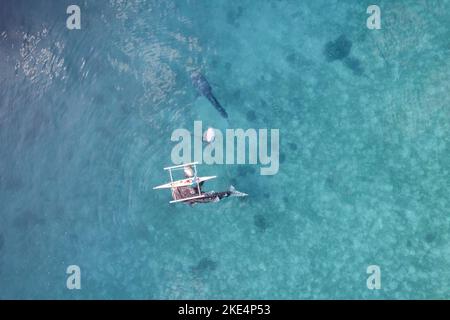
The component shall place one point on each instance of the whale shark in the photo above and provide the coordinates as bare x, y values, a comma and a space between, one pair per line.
202, 85
188, 191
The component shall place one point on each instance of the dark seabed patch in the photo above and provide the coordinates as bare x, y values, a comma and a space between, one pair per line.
250, 116
27, 219
11, 183
99, 99
228, 66
215, 62
205, 265
234, 15
260, 222
141, 231
245, 170
237, 94
354, 64
409, 244
430, 237
331, 180
2, 241
337, 49
282, 157
293, 58
292, 146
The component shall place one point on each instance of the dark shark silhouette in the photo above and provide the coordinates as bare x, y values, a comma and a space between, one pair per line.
201, 84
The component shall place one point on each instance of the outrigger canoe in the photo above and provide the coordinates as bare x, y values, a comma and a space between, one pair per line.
184, 183
189, 189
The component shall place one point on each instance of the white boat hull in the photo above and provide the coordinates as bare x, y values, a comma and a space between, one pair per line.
184, 183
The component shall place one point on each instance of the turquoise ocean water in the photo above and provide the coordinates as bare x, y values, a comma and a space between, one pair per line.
85, 123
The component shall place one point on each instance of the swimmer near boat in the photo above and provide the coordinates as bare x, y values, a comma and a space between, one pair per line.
189, 190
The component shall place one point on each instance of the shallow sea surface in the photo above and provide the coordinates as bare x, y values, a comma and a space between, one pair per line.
86, 118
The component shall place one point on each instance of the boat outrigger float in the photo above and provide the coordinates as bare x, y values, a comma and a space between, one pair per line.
189, 190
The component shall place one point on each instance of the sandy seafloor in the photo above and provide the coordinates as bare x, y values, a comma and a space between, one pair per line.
85, 124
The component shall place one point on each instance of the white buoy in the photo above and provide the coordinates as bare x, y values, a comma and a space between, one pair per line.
209, 135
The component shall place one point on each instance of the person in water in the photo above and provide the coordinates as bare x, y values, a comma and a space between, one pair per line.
192, 191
